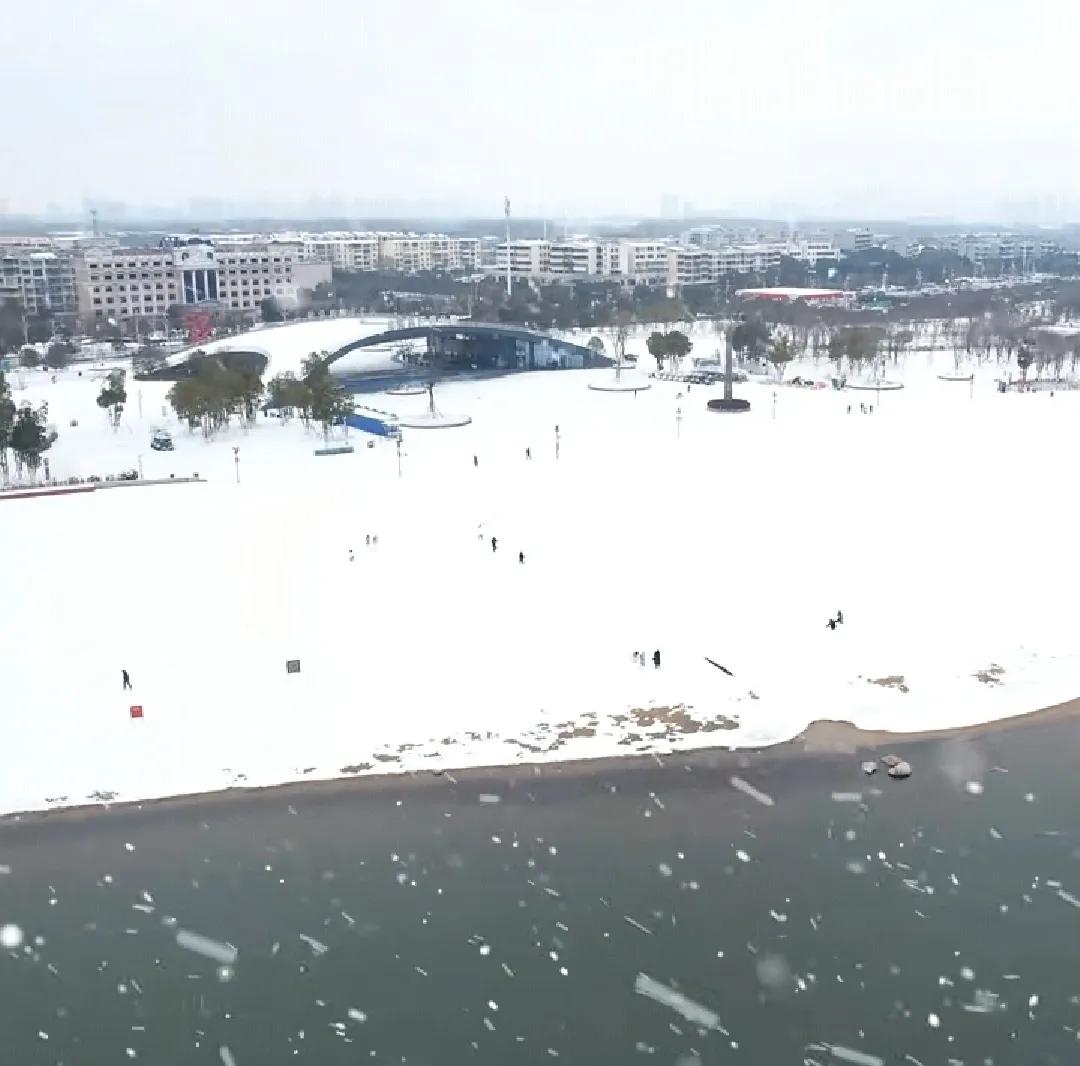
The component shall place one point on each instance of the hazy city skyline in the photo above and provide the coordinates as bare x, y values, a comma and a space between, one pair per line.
610, 108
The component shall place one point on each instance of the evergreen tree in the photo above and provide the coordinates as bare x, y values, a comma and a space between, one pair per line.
113, 396
678, 344
30, 437
29, 358
657, 343
59, 355
328, 402
750, 337
271, 310
287, 393
7, 424
1024, 358
12, 333
780, 354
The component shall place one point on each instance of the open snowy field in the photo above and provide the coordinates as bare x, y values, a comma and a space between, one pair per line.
940, 525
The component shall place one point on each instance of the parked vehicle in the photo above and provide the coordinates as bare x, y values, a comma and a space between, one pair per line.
161, 442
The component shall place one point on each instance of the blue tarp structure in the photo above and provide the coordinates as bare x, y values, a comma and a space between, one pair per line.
371, 422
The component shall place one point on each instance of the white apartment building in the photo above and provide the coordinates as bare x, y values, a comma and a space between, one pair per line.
346, 251
644, 260
411, 252
813, 250
139, 282
527, 259
692, 265
574, 258
1008, 247
581, 258
856, 239
695, 265
43, 281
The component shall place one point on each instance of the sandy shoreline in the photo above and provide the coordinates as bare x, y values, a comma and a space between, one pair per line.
823, 737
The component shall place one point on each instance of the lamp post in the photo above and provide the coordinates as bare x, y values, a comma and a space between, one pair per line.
236, 460
678, 423
399, 455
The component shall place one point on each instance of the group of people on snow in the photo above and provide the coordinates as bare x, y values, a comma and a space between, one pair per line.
495, 546
370, 539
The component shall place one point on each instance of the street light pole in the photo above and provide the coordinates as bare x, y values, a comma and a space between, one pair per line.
236, 460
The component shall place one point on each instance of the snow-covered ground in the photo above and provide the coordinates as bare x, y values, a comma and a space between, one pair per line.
940, 525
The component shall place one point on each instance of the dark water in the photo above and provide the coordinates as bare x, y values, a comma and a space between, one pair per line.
462, 931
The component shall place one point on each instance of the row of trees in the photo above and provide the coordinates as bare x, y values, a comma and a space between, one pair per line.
668, 346
17, 328
216, 392
315, 396
24, 434
859, 345
57, 356
230, 385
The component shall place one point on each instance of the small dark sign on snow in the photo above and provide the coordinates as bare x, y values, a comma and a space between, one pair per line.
292, 666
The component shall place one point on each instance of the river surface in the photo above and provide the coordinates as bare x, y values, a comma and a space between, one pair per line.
626, 913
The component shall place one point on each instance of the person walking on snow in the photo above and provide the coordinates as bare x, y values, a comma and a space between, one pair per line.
839, 617
351, 556
494, 544
656, 659
528, 453
127, 679
521, 557
475, 461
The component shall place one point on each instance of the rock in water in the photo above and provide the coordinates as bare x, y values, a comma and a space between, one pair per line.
869, 767
901, 769
890, 760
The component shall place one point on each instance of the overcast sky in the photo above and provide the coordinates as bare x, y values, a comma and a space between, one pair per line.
567, 106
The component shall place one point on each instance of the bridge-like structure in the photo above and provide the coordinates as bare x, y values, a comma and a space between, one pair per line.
463, 346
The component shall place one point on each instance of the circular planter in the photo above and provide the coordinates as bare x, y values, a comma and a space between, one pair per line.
430, 421
733, 406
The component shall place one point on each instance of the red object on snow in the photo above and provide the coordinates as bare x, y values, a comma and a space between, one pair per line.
136, 710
